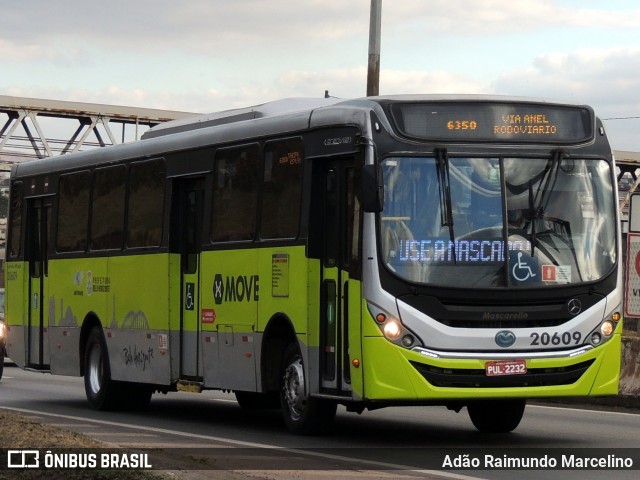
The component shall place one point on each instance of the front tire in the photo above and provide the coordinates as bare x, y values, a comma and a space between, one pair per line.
302, 414
496, 416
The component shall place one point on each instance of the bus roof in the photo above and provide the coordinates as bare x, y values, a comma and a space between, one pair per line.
200, 131
270, 109
293, 105
273, 118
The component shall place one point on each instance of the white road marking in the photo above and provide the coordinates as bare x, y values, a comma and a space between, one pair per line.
212, 438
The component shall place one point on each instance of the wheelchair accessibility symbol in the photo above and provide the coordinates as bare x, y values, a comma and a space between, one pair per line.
189, 298
522, 270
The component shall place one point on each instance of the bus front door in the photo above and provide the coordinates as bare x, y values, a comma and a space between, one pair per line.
39, 219
187, 216
337, 235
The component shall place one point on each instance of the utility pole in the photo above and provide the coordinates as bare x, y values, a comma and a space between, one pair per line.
373, 72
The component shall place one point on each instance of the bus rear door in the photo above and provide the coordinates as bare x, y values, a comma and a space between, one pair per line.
38, 221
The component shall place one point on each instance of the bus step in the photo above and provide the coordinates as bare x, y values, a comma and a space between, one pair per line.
189, 386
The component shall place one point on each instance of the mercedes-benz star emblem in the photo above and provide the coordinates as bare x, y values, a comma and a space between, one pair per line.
574, 306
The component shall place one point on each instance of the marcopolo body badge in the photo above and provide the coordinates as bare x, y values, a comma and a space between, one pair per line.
505, 338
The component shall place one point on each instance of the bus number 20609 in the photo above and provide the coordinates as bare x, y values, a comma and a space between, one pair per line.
546, 338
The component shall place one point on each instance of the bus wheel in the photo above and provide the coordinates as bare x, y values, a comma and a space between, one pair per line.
1, 362
302, 414
101, 391
496, 416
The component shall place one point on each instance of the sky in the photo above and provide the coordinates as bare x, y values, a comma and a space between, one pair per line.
210, 55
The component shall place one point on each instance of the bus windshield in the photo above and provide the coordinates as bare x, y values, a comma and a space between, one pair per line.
494, 222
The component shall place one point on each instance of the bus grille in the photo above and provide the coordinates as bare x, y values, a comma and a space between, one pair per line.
477, 378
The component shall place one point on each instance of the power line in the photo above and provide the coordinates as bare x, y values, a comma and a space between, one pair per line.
621, 118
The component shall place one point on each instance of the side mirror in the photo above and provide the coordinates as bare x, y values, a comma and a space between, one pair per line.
634, 213
372, 189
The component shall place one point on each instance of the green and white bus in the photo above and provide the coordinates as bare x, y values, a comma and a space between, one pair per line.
461, 251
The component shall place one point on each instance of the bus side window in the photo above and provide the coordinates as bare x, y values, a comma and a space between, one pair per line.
15, 234
107, 207
145, 203
73, 212
282, 189
235, 194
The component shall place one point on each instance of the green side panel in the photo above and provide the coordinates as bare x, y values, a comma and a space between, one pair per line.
137, 326
248, 287
16, 291
286, 288
127, 292
77, 287
387, 374
139, 288
16, 309
231, 287
608, 378
241, 291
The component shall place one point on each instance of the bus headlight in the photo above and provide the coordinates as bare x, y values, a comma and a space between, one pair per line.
2, 328
609, 325
392, 328
606, 329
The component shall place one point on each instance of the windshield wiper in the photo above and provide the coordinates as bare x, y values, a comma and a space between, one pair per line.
533, 215
538, 204
444, 186
552, 176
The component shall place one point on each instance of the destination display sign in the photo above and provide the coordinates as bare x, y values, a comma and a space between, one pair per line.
497, 122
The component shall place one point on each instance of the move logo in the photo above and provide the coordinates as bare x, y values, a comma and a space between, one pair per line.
236, 288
